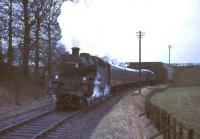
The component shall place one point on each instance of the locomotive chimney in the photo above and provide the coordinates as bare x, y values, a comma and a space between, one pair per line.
75, 51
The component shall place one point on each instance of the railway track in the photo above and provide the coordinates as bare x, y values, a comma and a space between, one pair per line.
11, 119
38, 126
45, 125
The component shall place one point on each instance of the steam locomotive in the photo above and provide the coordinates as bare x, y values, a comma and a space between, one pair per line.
83, 78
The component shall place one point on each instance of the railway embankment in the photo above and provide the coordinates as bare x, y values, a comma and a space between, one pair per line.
125, 120
19, 95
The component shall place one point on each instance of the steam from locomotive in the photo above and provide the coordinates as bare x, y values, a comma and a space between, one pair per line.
81, 78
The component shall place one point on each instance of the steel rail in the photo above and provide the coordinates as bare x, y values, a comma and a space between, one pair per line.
55, 126
18, 124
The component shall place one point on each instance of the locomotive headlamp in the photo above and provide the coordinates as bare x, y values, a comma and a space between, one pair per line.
56, 77
84, 78
76, 65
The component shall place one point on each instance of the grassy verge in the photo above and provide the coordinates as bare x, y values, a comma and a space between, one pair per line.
13, 110
183, 103
19, 95
123, 120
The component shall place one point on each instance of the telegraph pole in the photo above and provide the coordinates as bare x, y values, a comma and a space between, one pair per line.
169, 53
139, 35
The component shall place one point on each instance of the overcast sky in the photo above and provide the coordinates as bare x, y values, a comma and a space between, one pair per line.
108, 27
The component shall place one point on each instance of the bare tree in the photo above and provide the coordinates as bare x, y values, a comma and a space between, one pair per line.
26, 40
37, 7
1, 60
29, 34
10, 30
44, 18
3, 34
52, 12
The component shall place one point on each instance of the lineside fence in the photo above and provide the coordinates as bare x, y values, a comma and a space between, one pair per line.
184, 65
8, 100
15, 94
167, 125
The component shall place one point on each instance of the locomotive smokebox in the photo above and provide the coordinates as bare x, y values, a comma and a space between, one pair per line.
75, 51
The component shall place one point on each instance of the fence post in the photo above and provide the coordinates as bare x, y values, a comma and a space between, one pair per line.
147, 109
156, 116
15, 86
174, 128
153, 115
180, 134
150, 111
169, 125
190, 133
159, 119
165, 123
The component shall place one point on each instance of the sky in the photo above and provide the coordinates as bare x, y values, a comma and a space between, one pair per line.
108, 28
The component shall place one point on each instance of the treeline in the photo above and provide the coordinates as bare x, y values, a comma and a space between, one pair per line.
29, 34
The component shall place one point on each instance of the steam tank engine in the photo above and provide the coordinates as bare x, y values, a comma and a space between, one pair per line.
76, 78
83, 77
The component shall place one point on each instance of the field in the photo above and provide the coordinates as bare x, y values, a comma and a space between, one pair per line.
183, 103
186, 76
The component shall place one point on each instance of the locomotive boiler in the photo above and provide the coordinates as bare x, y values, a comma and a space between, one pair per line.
81, 78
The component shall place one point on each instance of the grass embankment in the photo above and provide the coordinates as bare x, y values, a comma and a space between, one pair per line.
19, 95
124, 121
183, 103
15, 110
